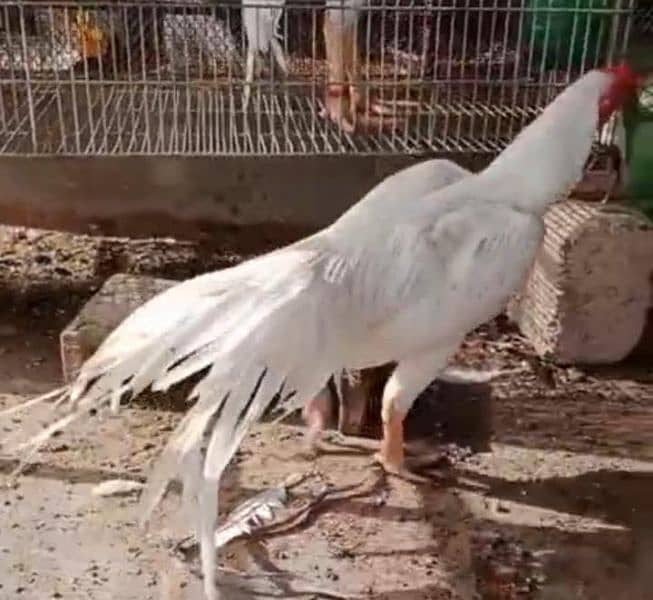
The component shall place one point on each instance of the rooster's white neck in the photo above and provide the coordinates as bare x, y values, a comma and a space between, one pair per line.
548, 157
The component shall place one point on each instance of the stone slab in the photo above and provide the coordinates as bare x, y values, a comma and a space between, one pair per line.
120, 295
588, 297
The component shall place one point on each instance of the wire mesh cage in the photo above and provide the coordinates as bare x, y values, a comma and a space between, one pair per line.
207, 77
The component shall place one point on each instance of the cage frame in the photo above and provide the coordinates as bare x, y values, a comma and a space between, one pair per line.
152, 109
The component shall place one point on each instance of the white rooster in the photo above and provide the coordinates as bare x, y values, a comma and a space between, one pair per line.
398, 278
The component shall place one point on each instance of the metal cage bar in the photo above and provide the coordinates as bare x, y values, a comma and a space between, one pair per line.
198, 78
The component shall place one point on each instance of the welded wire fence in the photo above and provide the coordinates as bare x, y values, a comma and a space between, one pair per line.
137, 77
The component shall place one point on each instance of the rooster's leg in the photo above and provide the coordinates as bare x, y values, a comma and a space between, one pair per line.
360, 103
347, 104
249, 77
316, 413
391, 454
338, 38
409, 379
367, 112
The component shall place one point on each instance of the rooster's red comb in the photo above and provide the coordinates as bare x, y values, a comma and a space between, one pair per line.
624, 74
623, 87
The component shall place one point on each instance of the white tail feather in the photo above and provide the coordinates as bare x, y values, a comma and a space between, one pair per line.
207, 524
29, 449
54, 395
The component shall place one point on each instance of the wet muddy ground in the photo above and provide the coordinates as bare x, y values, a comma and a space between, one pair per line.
545, 489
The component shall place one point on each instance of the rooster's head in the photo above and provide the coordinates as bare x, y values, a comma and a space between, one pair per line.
624, 86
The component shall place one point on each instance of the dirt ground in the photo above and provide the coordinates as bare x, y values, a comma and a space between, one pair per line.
545, 488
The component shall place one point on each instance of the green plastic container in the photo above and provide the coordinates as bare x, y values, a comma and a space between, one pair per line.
638, 123
568, 32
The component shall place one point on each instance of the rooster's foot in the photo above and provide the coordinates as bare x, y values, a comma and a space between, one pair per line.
399, 470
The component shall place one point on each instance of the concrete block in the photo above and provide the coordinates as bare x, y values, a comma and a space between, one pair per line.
589, 293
